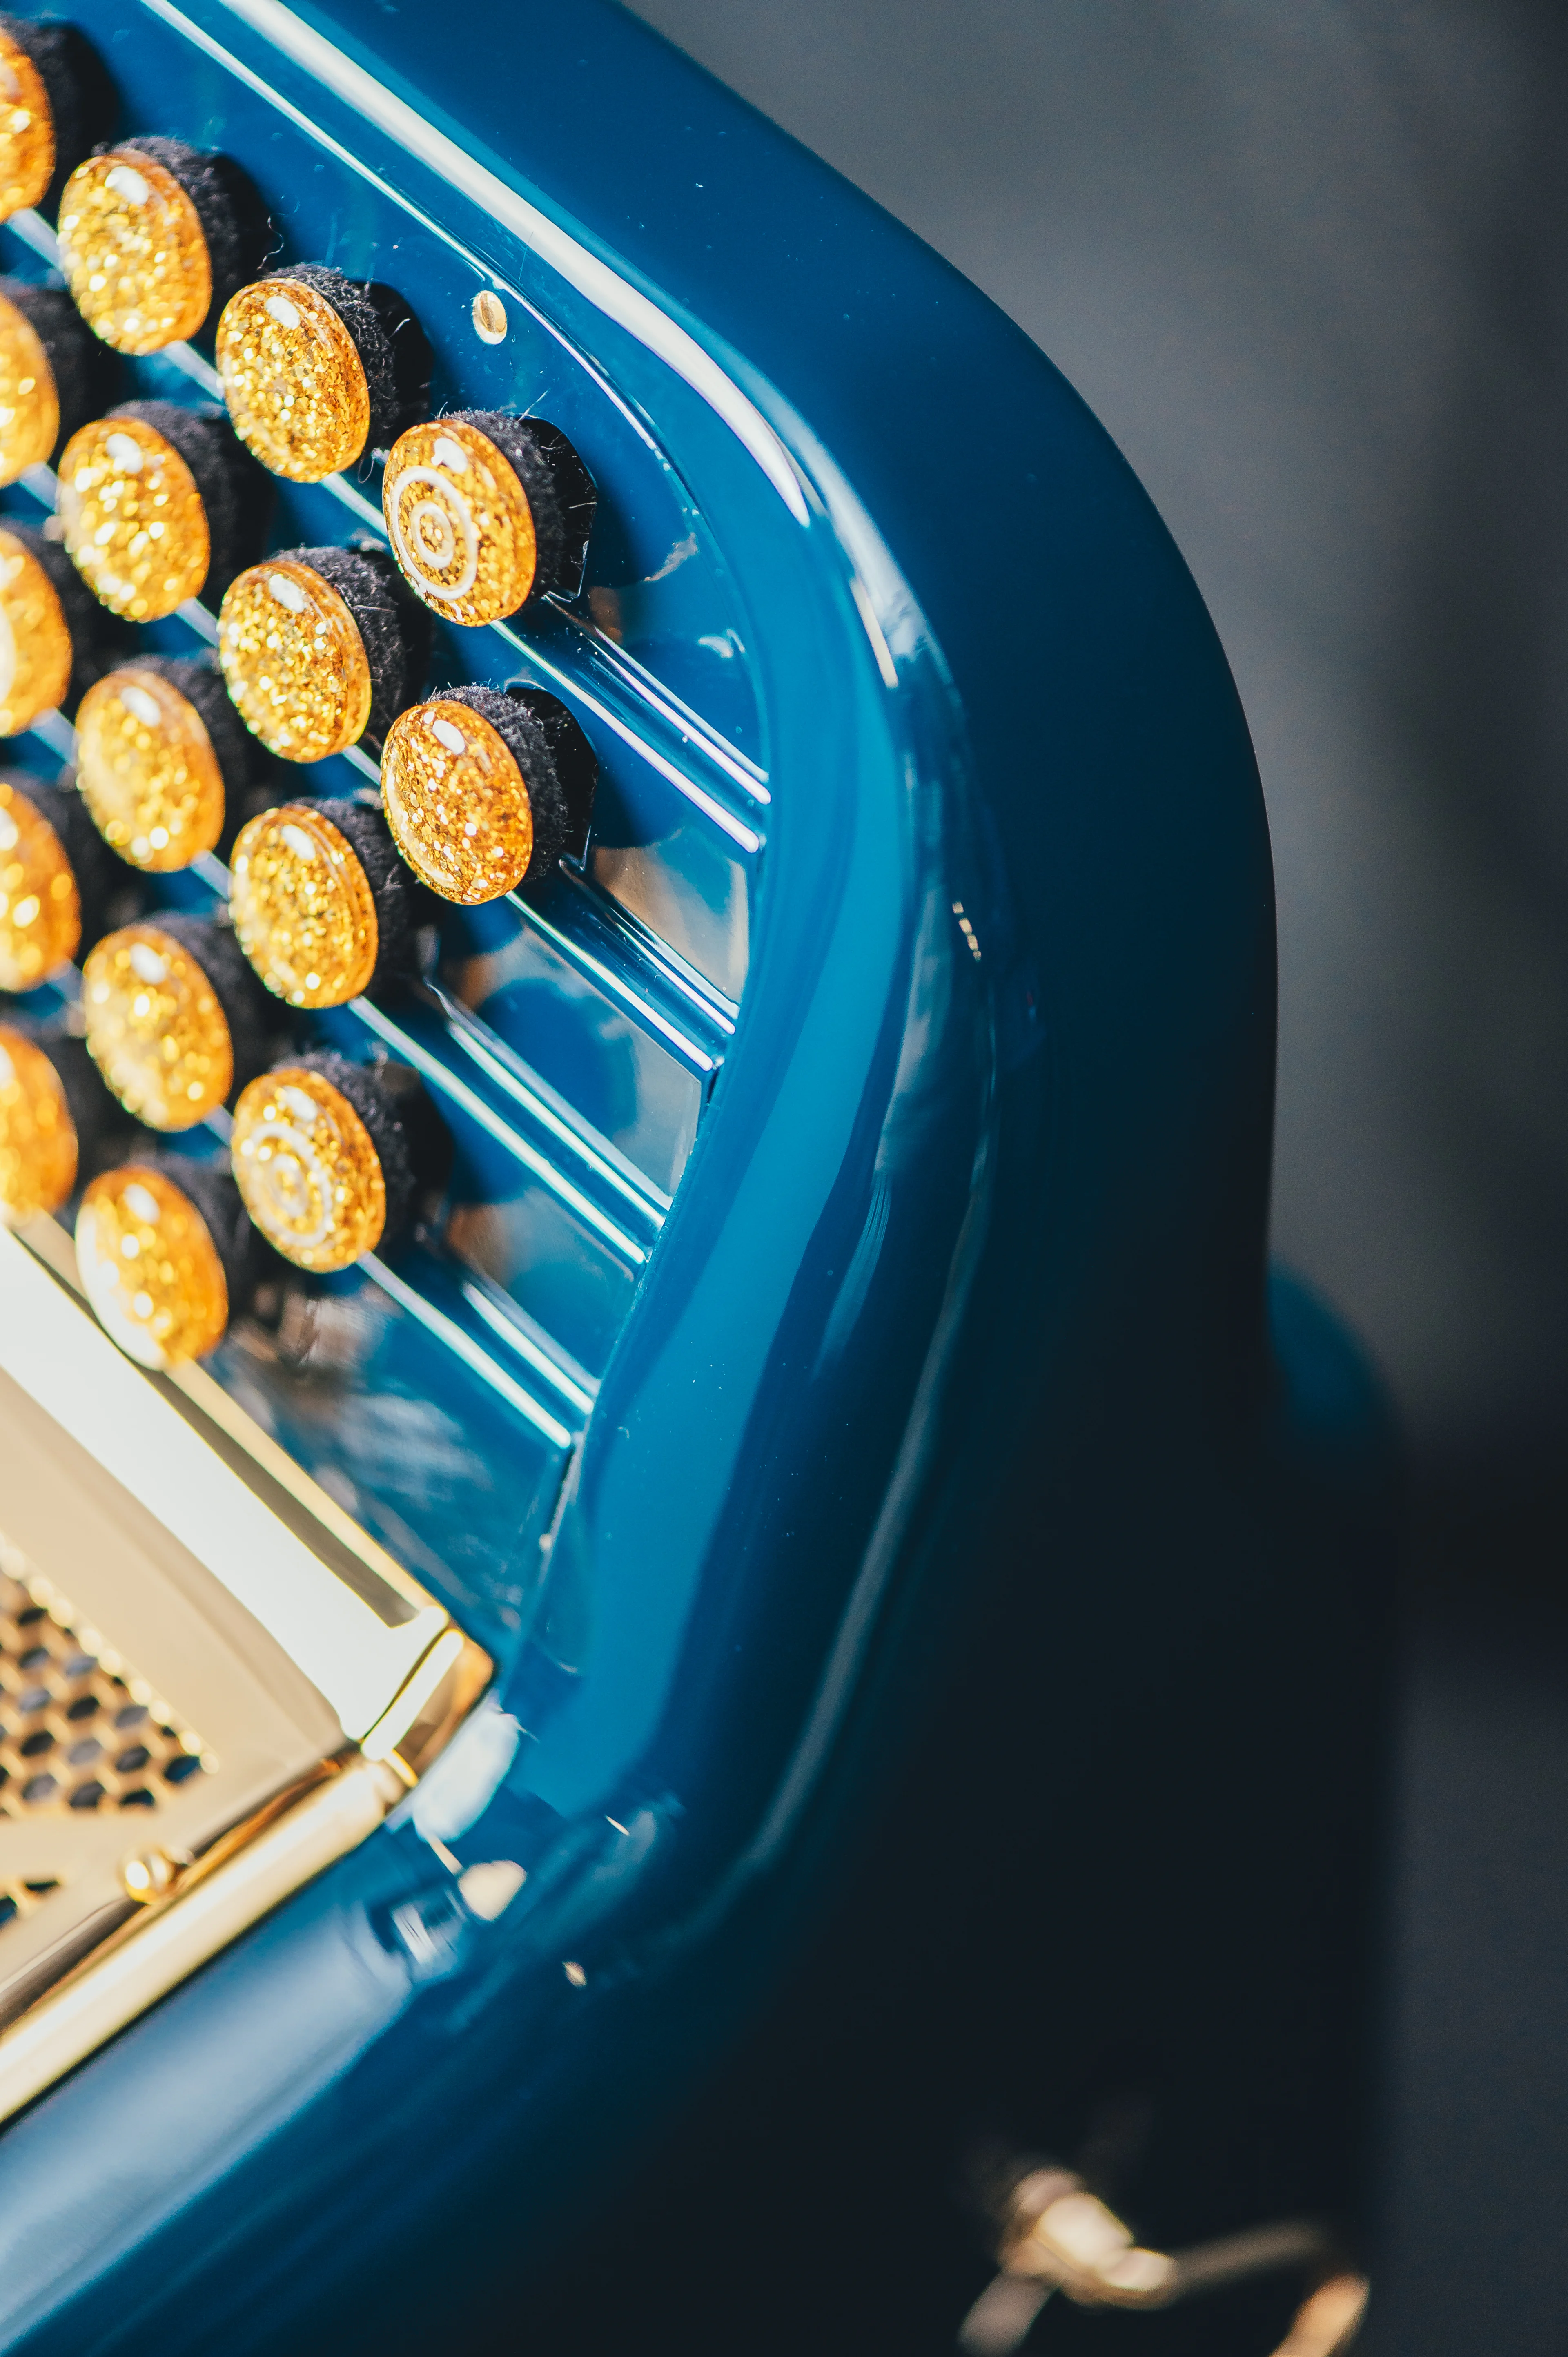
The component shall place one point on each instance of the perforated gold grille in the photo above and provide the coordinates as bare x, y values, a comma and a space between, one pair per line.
79, 1728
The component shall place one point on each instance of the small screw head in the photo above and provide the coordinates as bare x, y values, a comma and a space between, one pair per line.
489, 317
149, 1875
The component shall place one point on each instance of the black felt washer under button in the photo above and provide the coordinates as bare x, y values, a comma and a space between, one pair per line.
96, 639
212, 1191
77, 84
241, 757
86, 372
376, 1107
557, 764
559, 489
391, 623
233, 219
235, 491
104, 1130
249, 1010
400, 904
394, 348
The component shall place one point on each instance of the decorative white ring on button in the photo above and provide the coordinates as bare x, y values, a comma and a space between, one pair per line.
435, 525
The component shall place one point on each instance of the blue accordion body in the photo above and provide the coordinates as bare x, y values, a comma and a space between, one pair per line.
859, 1302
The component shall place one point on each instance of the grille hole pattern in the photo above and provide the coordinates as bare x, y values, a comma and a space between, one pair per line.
79, 1731
19, 1898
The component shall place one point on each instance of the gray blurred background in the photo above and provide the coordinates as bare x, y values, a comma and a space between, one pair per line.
1308, 262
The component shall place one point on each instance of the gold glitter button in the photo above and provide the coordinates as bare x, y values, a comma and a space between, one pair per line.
29, 405
38, 1137
150, 1268
135, 525
155, 1027
457, 803
311, 1177
294, 661
461, 526
27, 131
36, 653
147, 771
40, 908
304, 911
294, 380
133, 254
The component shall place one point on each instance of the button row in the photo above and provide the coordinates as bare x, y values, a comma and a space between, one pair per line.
327, 1162
318, 649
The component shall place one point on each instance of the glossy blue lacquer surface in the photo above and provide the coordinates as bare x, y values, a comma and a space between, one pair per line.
923, 1068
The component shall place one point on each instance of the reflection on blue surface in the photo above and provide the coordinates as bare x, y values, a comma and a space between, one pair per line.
687, 887
446, 1474
534, 1249
580, 1045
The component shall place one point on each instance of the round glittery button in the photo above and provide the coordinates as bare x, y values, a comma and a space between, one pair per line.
294, 661
38, 1137
309, 1173
461, 526
457, 803
147, 771
133, 252
155, 1027
303, 911
294, 380
40, 908
29, 405
27, 131
36, 654
135, 525
150, 1268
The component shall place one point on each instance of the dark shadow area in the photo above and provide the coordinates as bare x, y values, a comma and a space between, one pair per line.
1308, 266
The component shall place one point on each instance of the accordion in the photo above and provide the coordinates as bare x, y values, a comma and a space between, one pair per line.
635, 1108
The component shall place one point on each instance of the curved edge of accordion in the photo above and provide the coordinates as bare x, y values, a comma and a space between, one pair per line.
972, 1240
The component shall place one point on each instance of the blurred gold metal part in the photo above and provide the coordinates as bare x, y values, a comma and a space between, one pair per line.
35, 651
133, 251
1059, 2236
1329, 2320
27, 131
29, 405
324, 1678
147, 770
294, 380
